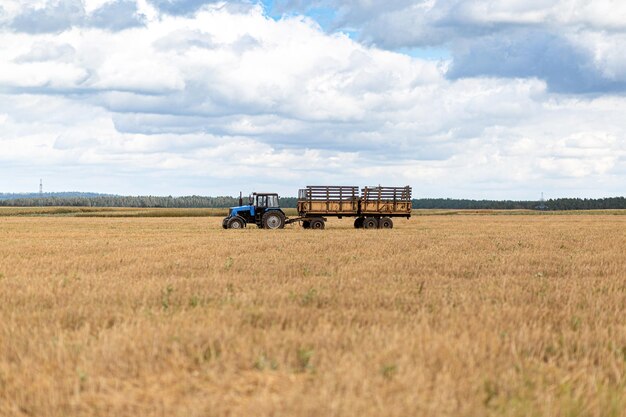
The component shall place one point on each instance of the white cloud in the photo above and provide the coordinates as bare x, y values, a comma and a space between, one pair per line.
224, 99
580, 40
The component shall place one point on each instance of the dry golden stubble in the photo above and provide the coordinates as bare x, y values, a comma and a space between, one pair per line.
443, 315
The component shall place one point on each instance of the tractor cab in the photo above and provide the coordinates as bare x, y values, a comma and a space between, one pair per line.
263, 210
264, 201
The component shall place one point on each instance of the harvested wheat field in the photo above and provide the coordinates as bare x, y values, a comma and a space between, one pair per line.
442, 316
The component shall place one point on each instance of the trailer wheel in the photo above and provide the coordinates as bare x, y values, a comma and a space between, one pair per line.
370, 223
358, 222
306, 224
236, 223
386, 223
273, 220
317, 224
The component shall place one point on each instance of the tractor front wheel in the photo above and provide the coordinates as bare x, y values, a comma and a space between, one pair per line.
236, 223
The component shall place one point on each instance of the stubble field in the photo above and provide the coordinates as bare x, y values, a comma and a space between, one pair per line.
444, 315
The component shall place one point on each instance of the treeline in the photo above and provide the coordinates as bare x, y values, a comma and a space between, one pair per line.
193, 201
587, 203
121, 201
22, 196
449, 203
290, 202
552, 204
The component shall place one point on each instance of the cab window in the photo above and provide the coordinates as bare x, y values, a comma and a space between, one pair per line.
261, 201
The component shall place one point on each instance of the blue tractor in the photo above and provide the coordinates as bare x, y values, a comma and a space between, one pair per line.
263, 210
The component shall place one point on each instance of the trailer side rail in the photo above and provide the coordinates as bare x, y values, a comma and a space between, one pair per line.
328, 199
377, 200
328, 193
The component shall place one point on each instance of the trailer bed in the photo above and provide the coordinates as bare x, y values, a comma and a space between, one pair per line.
340, 201
328, 200
388, 201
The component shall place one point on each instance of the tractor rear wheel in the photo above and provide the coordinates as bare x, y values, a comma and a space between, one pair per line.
386, 223
358, 222
236, 223
370, 223
317, 224
273, 220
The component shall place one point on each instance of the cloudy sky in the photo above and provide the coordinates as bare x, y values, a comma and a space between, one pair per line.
458, 98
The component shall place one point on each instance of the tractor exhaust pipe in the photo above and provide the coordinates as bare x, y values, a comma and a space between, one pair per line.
240, 199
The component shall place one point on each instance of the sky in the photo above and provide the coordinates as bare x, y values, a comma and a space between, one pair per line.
483, 99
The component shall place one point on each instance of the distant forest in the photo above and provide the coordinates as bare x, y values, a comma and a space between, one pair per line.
21, 196
100, 200
553, 204
120, 201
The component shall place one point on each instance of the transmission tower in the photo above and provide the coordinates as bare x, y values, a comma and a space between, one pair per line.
40, 187
542, 204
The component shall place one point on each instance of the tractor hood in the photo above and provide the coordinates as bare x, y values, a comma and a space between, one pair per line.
234, 211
